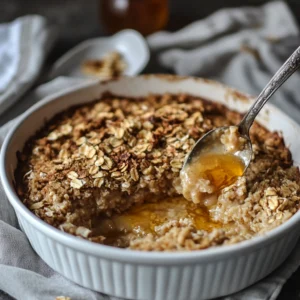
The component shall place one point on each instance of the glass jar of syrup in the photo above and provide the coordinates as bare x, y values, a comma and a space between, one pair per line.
145, 16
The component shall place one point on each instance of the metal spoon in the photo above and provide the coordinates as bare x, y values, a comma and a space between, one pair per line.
211, 141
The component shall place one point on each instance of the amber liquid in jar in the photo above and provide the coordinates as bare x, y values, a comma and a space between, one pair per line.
145, 16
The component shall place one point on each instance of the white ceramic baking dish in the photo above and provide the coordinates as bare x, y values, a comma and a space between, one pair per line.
141, 275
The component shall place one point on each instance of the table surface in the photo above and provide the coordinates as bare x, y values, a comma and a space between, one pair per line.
79, 20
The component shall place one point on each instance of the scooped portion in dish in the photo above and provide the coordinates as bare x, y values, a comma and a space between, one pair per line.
215, 167
203, 179
109, 172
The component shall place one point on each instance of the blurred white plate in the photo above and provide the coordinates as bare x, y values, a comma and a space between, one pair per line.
129, 43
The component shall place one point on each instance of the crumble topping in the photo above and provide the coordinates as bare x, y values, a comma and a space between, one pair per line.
97, 160
111, 65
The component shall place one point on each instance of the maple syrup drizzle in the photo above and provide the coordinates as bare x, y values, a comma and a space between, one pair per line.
143, 219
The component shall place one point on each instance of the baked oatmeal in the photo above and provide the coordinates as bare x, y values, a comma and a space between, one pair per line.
214, 166
108, 172
204, 178
232, 140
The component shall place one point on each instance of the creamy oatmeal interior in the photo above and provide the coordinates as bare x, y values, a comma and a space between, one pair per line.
232, 140
204, 178
109, 172
214, 168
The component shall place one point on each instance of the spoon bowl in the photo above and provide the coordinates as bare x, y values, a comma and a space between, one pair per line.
211, 142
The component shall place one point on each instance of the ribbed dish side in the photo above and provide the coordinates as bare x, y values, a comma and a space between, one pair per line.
169, 282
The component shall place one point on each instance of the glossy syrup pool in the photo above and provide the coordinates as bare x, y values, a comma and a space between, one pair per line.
220, 169
142, 219
203, 179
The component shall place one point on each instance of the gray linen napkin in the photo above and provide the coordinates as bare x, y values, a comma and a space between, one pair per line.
241, 47
24, 44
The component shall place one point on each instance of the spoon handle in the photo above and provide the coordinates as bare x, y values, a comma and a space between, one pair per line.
287, 69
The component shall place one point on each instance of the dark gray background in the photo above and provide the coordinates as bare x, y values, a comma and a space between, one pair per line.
79, 20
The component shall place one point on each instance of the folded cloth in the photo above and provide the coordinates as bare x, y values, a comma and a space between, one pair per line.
25, 276
241, 47
24, 44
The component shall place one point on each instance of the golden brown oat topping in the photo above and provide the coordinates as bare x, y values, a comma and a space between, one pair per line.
99, 159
